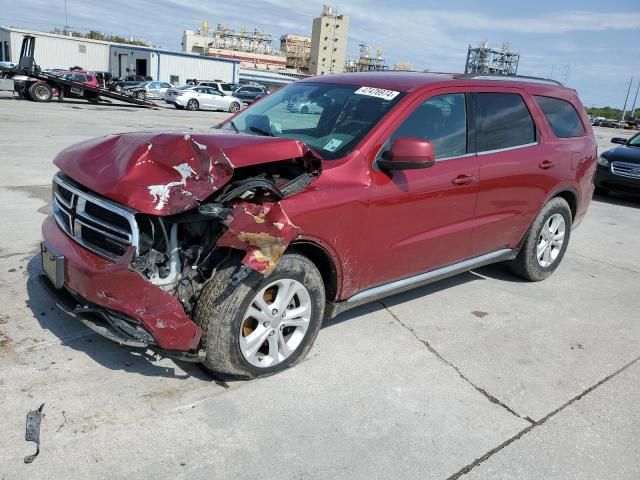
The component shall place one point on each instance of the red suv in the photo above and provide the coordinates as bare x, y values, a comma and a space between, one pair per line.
231, 248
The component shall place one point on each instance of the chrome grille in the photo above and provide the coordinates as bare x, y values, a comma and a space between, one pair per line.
623, 169
102, 226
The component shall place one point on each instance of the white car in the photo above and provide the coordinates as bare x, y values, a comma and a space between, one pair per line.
202, 98
304, 106
147, 90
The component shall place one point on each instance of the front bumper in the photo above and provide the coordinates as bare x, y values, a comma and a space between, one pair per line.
113, 287
608, 181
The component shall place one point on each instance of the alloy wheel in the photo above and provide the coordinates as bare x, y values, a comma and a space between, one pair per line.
275, 324
551, 240
41, 92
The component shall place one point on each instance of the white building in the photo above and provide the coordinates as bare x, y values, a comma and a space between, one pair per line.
60, 51
56, 51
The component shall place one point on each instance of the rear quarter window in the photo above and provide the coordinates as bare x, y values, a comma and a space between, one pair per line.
562, 117
502, 121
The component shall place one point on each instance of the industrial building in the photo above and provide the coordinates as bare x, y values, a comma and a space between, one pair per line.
328, 42
366, 62
60, 51
297, 50
493, 61
253, 48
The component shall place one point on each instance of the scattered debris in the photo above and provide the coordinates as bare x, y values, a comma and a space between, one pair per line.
32, 433
63, 423
577, 346
479, 313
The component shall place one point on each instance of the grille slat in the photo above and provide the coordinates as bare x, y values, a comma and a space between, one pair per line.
623, 169
101, 226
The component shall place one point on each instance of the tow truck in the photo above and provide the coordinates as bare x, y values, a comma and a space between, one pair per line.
29, 81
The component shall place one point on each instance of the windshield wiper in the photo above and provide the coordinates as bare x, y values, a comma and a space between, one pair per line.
260, 131
234, 126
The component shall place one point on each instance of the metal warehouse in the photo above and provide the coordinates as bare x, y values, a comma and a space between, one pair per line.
60, 51
56, 51
172, 67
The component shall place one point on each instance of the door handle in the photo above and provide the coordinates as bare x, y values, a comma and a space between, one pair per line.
545, 164
463, 180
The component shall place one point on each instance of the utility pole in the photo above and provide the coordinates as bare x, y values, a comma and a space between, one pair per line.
633, 108
66, 19
624, 109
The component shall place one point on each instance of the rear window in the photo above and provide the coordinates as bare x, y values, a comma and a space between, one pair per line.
562, 117
502, 121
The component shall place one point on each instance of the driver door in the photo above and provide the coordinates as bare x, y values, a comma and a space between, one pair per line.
422, 219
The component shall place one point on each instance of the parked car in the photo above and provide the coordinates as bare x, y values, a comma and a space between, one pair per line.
219, 85
250, 93
619, 168
118, 83
148, 90
82, 76
231, 247
304, 106
202, 98
8, 64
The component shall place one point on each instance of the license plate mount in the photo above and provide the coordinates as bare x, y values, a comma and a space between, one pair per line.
52, 264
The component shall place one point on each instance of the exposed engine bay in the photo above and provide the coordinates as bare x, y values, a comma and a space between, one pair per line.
181, 253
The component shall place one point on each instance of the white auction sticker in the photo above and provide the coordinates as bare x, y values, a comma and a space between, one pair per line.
333, 145
377, 92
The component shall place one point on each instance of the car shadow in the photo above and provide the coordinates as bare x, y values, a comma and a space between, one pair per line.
75, 335
619, 198
408, 296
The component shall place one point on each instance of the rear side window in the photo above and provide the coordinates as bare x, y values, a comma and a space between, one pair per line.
502, 121
562, 117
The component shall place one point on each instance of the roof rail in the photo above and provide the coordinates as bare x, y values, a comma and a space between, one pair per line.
510, 78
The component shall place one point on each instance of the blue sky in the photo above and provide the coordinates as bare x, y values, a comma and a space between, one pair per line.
599, 40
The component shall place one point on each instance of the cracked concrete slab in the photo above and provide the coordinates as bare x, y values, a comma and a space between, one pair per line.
595, 437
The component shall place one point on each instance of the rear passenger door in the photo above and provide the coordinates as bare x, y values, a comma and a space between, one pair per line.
513, 182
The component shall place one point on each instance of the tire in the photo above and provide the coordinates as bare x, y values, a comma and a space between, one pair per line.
117, 89
193, 105
555, 216
40, 92
61, 94
304, 109
141, 95
223, 313
234, 107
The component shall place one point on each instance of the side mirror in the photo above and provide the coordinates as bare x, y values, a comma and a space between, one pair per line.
409, 153
620, 140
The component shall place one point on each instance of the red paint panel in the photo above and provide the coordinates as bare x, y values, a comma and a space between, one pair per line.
114, 286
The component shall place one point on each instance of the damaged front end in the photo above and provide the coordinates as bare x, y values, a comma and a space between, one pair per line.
143, 221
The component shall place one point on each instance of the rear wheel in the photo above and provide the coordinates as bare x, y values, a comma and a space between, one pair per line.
234, 107
40, 92
264, 324
546, 243
193, 105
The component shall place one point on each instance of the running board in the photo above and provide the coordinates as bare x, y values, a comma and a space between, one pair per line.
431, 276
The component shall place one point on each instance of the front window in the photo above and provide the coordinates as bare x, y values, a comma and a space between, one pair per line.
634, 141
340, 116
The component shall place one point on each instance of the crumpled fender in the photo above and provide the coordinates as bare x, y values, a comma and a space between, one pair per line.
263, 231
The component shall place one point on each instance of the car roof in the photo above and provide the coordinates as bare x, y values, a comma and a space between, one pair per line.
411, 81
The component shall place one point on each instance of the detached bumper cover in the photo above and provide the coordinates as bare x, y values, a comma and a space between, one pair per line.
114, 286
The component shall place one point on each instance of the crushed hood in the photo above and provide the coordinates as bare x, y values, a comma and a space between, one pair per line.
168, 173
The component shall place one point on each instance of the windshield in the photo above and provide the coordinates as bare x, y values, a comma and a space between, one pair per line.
334, 118
634, 141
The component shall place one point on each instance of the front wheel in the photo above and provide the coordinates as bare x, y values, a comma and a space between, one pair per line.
546, 243
234, 107
193, 105
141, 95
264, 324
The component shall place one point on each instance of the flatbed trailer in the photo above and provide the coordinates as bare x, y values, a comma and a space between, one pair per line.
29, 81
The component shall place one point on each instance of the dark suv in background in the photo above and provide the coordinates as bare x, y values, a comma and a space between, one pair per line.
250, 93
